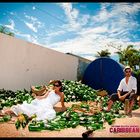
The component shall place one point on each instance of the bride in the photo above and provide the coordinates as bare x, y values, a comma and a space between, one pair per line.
42, 106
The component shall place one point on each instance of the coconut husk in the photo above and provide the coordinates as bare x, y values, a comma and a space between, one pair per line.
39, 92
93, 108
91, 103
102, 93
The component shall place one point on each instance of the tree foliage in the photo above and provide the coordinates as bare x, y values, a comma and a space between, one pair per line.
103, 53
129, 56
5, 30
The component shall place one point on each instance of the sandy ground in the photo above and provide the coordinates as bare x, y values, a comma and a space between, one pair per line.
8, 129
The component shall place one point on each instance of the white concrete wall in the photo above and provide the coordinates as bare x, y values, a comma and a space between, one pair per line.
23, 64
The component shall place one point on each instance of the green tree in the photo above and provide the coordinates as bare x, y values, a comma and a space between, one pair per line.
129, 56
5, 30
103, 53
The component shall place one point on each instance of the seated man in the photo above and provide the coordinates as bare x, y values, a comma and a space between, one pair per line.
127, 90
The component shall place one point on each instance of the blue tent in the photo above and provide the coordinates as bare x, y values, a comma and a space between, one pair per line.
104, 73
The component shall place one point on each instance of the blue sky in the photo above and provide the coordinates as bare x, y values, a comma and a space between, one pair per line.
79, 28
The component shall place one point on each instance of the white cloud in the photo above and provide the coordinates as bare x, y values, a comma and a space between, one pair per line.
126, 8
110, 25
33, 8
79, 45
12, 13
68, 10
72, 15
31, 26
119, 18
117, 10
53, 34
84, 19
11, 25
49, 35
90, 41
28, 37
75, 19
103, 14
34, 23
93, 30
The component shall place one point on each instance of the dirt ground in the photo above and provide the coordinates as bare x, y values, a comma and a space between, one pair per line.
8, 129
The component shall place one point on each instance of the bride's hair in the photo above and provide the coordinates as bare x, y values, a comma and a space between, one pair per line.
52, 82
59, 82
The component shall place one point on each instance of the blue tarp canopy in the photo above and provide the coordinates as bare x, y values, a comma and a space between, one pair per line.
104, 73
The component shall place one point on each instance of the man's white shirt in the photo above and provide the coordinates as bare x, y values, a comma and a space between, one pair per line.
132, 84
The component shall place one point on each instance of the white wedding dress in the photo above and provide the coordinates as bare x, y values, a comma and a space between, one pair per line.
43, 108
